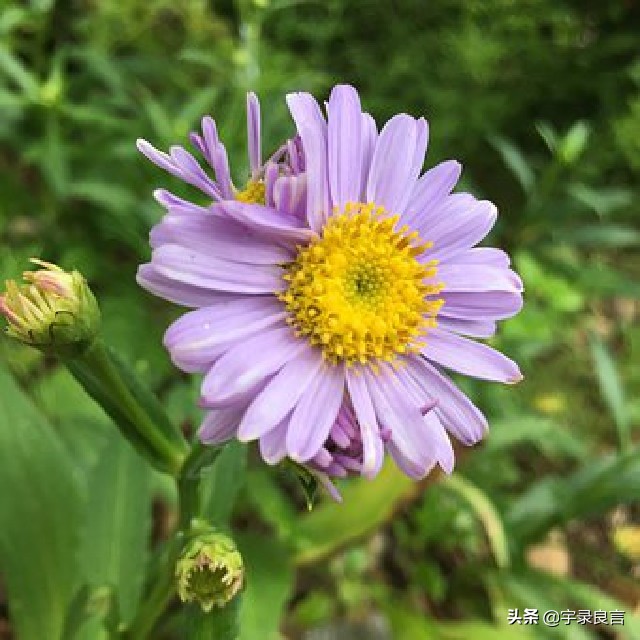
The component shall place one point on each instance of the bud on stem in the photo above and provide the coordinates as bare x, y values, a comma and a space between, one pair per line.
210, 570
53, 310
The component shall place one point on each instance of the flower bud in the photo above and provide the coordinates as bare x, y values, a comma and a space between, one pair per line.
210, 571
52, 310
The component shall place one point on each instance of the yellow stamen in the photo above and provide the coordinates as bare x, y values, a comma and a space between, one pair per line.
358, 291
253, 193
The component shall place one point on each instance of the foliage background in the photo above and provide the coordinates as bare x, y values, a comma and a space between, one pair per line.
540, 100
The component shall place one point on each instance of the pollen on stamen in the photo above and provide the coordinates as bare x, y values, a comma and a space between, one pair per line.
358, 291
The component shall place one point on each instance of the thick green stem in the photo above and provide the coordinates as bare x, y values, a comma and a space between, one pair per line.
134, 409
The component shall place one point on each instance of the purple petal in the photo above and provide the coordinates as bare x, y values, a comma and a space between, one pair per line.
315, 413
412, 453
458, 414
393, 168
430, 191
345, 145
281, 394
220, 425
200, 270
271, 173
486, 305
196, 339
176, 205
218, 236
290, 195
273, 444
295, 154
253, 132
485, 255
462, 223
322, 459
478, 277
223, 171
369, 141
330, 488
177, 292
312, 129
469, 357
474, 328
434, 440
244, 368
193, 173
272, 224
422, 141
175, 166
440, 441
372, 445
210, 136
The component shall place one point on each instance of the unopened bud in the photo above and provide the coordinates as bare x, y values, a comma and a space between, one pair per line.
210, 571
53, 310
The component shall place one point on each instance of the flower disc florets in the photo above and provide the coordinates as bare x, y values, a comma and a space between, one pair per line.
210, 571
253, 193
358, 291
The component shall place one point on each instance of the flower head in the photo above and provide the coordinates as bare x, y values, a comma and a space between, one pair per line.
54, 310
210, 571
324, 320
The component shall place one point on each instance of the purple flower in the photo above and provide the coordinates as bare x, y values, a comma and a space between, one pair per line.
325, 314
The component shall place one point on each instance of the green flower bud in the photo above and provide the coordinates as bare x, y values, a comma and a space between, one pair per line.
53, 310
210, 571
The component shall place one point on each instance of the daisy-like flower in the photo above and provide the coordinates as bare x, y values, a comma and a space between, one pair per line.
322, 329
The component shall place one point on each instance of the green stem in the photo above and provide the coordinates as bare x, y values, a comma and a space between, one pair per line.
189, 482
134, 409
162, 591
162, 575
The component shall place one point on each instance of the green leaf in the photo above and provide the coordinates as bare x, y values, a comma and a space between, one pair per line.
113, 552
487, 514
611, 390
272, 503
79, 422
514, 161
367, 505
595, 489
269, 584
548, 134
544, 591
409, 625
90, 614
603, 236
19, 74
574, 142
221, 483
531, 590
40, 514
602, 200
551, 438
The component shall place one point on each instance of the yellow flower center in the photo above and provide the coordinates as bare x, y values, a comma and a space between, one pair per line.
358, 291
253, 193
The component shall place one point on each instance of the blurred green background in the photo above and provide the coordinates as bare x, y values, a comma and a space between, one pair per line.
540, 100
